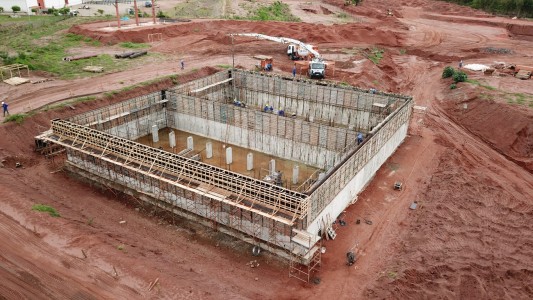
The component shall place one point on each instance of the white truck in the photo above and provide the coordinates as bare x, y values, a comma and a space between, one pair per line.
296, 50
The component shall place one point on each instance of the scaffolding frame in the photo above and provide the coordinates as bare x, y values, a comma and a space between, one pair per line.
13, 68
302, 266
265, 198
271, 216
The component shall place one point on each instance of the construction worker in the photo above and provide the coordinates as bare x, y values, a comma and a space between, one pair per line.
294, 71
182, 63
359, 138
4, 107
461, 64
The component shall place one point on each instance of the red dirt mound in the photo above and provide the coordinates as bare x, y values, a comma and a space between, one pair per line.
217, 31
506, 128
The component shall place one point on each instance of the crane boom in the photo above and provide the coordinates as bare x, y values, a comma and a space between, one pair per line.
282, 40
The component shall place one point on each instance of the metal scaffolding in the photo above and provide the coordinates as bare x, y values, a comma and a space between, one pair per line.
264, 198
323, 131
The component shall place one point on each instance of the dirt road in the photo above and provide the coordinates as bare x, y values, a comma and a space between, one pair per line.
468, 169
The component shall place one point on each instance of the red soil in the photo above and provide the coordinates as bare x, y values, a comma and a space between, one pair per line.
468, 169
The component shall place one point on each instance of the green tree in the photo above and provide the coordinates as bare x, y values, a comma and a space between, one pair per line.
15, 8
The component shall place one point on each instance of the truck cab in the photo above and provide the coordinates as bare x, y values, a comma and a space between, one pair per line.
317, 69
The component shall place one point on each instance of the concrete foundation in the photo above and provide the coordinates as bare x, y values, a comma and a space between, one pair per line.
319, 130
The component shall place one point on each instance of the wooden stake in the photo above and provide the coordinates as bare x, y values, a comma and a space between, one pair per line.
151, 286
84, 254
116, 273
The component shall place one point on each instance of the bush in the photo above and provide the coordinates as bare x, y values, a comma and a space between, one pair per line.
1, 9
453, 86
100, 11
460, 76
15, 8
64, 11
448, 72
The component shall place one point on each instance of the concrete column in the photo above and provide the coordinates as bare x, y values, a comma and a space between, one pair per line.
155, 133
172, 139
272, 167
190, 143
321, 176
209, 150
249, 162
229, 156
295, 174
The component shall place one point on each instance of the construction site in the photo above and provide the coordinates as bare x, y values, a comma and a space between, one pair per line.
287, 217
188, 149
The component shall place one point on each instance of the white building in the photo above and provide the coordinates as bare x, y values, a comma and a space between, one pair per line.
27, 5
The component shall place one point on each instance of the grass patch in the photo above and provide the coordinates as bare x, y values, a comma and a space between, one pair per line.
375, 55
402, 51
45, 208
40, 43
277, 11
69, 102
392, 275
342, 15
132, 45
224, 66
520, 99
486, 96
120, 247
197, 9
18, 118
476, 82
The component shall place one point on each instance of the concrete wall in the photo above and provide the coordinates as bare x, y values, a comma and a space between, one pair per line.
359, 182
141, 126
188, 200
341, 105
25, 5
274, 145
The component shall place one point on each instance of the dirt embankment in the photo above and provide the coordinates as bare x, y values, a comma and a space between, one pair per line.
518, 29
470, 237
506, 128
217, 31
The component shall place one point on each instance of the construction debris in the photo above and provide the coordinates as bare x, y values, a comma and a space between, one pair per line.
350, 257
16, 81
41, 80
476, 67
94, 69
131, 54
398, 186
253, 264
72, 58
152, 284
413, 205
523, 74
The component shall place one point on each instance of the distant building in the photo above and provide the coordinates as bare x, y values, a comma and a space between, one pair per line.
27, 5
